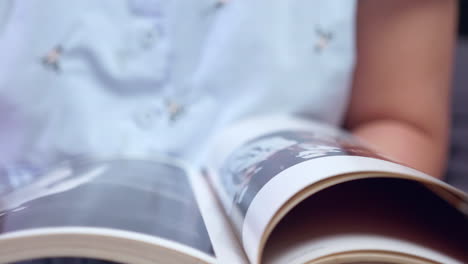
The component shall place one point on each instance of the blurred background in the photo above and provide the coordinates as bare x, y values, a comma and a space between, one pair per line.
457, 173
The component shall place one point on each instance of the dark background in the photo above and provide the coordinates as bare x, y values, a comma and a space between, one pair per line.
457, 173
463, 17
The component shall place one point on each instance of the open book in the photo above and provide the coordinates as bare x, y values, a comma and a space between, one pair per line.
275, 190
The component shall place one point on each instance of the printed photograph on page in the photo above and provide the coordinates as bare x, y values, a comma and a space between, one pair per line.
147, 197
251, 166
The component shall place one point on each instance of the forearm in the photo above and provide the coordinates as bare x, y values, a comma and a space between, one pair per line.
400, 99
407, 144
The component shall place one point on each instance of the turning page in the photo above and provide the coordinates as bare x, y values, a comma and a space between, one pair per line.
262, 168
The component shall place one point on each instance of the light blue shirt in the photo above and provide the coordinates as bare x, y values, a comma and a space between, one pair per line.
161, 76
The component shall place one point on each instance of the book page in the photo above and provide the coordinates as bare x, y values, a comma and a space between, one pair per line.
225, 243
244, 145
380, 218
262, 165
153, 198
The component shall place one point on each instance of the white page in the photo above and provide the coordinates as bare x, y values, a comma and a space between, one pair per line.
251, 210
269, 200
150, 197
390, 216
226, 245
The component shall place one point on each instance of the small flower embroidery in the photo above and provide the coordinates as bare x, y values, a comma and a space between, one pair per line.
214, 7
323, 41
148, 40
220, 3
52, 58
151, 36
175, 110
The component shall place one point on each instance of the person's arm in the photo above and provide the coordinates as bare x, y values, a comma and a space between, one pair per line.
400, 101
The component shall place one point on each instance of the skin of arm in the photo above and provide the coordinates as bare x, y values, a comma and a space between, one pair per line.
400, 102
